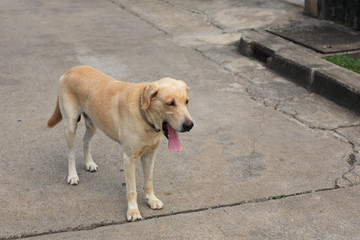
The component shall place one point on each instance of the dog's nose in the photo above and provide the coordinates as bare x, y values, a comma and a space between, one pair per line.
187, 125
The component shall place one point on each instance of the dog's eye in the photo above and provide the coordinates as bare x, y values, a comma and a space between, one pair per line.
172, 103
187, 101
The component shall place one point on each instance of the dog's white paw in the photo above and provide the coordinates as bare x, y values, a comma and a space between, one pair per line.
154, 203
73, 180
91, 167
133, 215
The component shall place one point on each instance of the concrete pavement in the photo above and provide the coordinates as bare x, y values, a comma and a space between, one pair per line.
257, 136
321, 215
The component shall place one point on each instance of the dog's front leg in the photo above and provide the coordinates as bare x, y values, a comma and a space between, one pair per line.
148, 161
133, 213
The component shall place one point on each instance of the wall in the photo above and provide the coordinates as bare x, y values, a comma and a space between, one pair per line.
346, 12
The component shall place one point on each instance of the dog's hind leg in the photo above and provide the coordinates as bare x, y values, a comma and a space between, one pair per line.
90, 131
70, 111
70, 130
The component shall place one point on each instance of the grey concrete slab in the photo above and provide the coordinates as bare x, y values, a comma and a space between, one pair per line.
322, 36
323, 215
239, 149
311, 109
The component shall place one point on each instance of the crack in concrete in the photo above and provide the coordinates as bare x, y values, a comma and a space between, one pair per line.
354, 145
308, 124
270, 102
208, 19
117, 4
352, 176
197, 12
192, 11
105, 224
347, 126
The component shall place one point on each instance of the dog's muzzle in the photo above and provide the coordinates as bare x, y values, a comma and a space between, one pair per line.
187, 126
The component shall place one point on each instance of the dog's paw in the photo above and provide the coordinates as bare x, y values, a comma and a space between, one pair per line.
73, 180
91, 167
154, 203
133, 215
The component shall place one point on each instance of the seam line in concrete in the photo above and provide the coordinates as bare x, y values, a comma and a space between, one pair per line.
138, 15
99, 225
198, 12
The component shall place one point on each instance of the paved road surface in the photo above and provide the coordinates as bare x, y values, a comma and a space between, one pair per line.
257, 136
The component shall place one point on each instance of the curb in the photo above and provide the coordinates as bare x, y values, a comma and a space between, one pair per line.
303, 67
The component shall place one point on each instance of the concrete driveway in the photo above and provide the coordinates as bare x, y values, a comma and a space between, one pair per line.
261, 162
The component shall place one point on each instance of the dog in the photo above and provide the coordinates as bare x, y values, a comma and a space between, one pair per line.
135, 115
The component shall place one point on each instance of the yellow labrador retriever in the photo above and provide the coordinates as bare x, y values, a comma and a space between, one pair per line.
134, 115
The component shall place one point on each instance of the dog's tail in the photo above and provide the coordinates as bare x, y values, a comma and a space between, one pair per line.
56, 117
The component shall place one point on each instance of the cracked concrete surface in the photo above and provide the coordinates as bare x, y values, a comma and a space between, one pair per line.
317, 112
307, 216
257, 135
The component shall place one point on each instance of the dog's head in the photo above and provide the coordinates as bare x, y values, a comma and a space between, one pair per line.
166, 103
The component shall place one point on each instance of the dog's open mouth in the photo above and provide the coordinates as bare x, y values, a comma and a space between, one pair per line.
171, 134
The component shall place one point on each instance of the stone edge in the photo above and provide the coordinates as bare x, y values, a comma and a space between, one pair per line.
302, 67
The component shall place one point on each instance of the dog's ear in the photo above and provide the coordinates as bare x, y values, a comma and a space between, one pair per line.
183, 83
148, 92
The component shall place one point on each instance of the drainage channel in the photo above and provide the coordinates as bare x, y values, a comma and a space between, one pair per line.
260, 53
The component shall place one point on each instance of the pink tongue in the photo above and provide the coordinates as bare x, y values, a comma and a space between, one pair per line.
174, 143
